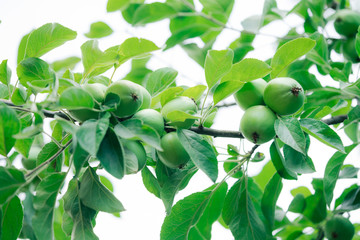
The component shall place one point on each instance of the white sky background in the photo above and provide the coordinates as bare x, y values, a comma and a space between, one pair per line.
145, 212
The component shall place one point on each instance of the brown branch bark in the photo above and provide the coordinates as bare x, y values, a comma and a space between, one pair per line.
199, 130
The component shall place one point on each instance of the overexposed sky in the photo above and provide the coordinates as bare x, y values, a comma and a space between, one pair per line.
145, 213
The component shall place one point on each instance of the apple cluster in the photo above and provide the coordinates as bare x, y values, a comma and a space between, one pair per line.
262, 103
347, 23
134, 101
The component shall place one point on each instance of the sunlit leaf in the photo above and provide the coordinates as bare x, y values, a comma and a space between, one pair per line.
44, 39
288, 53
217, 64
99, 30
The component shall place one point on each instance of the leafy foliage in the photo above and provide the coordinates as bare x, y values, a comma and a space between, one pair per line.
35, 169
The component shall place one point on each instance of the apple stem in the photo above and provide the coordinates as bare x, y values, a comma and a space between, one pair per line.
134, 97
255, 137
296, 91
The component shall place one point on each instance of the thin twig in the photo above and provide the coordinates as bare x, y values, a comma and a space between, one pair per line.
52, 158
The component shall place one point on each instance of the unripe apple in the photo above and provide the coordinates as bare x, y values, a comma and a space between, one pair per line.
146, 103
138, 150
284, 95
251, 94
339, 228
152, 118
349, 50
181, 103
174, 154
130, 97
257, 124
347, 22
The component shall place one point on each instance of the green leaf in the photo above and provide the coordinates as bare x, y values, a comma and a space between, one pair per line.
111, 155
188, 212
262, 178
76, 98
160, 79
217, 64
150, 182
35, 72
195, 92
352, 200
65, 64
11, 180
187, 32
240, 214
152, 12
172, 181
307, 80
289, 131
115, 5
48, 151
315, 209
11, 220
298, 204
348, 171
332, 171
44, 204
288, 53
297, 161
179, 116
247, 70
44, 39
225, 89
91, 133
279, 163
270, 197
5, 73
211, 213
79, 156
347, 191
99, 30
95, 195
300, 190
322, 132
219, 9
357, 42
131, 48
200, 152
94, 60
81, 215
9, 126
134, 129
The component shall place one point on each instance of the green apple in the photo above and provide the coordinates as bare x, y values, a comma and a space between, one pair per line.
152, 118
349, 51
174, 154
184, 104
130, 97
146, 98
284, 95
135, 147
339, 227
257, 124
347, 22
251, 94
